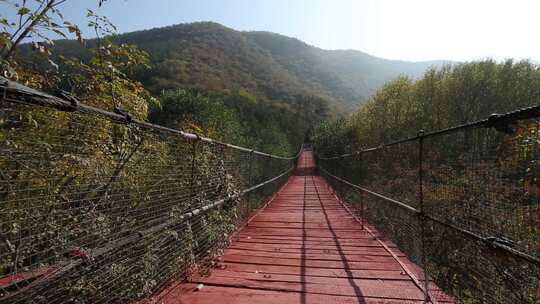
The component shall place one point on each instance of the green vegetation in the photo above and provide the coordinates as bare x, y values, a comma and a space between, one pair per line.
75, 185
445, 97
212, 57
483, 179
293, 84
78, 180
237, 118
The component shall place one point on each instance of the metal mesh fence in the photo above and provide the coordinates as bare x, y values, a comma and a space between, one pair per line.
462, 203
96, 207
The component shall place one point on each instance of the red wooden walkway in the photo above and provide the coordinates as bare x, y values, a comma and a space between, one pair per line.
305, 247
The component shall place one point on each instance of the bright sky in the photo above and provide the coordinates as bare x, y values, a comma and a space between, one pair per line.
396, 29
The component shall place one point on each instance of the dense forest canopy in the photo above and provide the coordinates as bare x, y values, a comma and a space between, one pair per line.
211, 56
443, 97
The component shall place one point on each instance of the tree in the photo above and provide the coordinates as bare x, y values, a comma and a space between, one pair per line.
34, 22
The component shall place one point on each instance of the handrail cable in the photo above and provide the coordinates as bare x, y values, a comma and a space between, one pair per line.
13, 92
488, 240
494, 120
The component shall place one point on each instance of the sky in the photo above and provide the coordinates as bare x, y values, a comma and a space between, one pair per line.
413, 30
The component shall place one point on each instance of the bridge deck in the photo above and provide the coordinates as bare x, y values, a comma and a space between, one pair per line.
305, 247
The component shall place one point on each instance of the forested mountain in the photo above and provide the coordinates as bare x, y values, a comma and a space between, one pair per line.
216, 58
257, 89
346, 76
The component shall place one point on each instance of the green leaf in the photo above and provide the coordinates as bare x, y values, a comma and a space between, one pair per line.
23, 11
4, 42
72, 28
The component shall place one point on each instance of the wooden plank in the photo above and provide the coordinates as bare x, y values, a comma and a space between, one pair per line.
364, 257
313, 271
224, 295
305, 247
309, 263
386, 289
331, 249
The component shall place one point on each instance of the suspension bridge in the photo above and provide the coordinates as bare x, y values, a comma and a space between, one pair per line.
99, 207
306, 246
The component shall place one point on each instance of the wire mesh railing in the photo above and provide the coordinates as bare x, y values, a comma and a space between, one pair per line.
462, 203
98, 207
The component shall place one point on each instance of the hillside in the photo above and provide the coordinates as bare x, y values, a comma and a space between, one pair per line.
275, 67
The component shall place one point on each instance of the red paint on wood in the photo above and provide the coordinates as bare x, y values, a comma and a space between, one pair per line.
305, 247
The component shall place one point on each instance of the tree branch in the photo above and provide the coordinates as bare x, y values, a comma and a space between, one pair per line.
35, 21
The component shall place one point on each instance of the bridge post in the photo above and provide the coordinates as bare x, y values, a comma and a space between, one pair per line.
361, 193
421, 215
334, 166
192, 173
191, 185
250, 181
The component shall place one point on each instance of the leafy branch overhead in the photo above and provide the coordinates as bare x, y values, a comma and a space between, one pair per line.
38, 22
34, 21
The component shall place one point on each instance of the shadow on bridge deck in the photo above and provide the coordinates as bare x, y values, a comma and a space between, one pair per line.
306, 247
